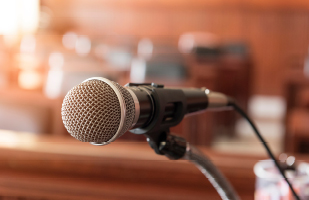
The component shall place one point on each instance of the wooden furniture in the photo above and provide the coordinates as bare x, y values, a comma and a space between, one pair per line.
229, 72
50, 167
276, 31
297, 131
297, 113
50, 124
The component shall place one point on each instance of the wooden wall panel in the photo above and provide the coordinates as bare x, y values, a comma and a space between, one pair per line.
265, 39
277, 33
297, 38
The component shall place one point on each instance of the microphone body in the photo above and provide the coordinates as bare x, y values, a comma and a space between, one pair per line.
99, 110
197, 99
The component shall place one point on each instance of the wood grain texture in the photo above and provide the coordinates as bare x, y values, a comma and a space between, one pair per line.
276, 31
62, 168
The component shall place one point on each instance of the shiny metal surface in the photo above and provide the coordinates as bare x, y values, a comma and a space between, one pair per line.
216, 99
98, 111
122, 109
137, 106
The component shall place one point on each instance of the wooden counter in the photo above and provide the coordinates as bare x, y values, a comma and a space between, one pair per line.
49, 167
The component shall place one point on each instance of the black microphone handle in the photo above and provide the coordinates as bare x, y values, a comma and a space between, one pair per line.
197, 99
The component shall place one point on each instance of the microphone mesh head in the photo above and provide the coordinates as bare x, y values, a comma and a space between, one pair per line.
91, 111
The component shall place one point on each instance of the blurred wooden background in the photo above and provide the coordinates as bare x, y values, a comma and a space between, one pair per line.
275, 35
277, 32
45, 167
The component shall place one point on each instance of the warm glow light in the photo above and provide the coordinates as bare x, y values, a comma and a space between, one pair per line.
29, 79
27, 61
53, 84
29, 15
55, 75
188, 41
11, 139
69, 40
18, 17
83, 45
8, 17
28, 44
56, 61
145, 48
138, 70
7, 139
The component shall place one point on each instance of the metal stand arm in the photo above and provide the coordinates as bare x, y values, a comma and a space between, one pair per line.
215, 177
175, 147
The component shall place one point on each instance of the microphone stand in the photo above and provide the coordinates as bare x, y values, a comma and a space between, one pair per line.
211, 172
175, 147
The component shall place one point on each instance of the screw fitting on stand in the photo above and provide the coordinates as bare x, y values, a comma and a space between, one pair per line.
173, 147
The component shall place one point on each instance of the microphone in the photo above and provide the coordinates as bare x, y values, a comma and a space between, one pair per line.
99, 110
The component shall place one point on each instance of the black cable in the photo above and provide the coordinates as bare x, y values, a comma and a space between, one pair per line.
242, 113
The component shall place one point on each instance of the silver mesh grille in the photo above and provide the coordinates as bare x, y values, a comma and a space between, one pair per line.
91, 111
130, 107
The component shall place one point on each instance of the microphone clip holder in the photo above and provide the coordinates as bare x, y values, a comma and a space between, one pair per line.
157, 131
173, 147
